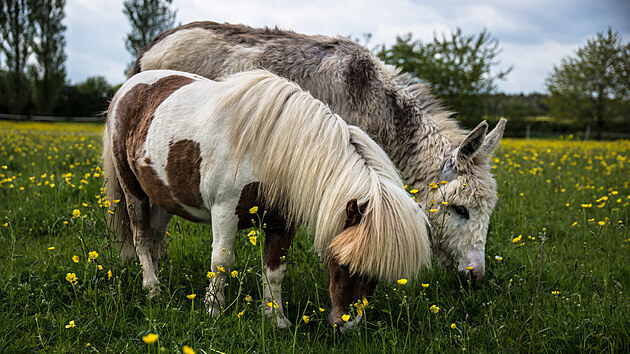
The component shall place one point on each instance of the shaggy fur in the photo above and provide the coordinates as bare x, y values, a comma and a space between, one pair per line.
403, 118
309, 162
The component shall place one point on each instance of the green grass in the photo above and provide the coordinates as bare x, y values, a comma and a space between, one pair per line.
560, 287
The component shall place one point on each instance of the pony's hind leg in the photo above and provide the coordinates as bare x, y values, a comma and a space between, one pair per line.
277, 243
224, 227
159, 223
140, 223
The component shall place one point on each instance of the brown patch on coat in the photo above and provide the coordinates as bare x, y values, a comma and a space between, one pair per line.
133, 115
278, 233
183, 171
158, 192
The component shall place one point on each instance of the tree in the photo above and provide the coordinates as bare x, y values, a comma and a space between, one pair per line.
49, 71
86, 99
17, 34
148, 18
594, 84
458, 68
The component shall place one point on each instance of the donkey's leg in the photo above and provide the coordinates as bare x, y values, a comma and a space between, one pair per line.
140, 223
224, 227
159, 222
277, 243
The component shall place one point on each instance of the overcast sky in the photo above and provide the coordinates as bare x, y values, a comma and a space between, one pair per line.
533, 34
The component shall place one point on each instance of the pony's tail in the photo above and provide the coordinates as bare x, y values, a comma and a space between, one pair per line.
117, 214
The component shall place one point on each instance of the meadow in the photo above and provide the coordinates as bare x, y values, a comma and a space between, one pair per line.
557, 265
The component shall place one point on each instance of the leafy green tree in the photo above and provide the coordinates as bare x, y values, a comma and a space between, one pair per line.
594, 84
17, 34
457, 67
49, 71
147, 18
89, 98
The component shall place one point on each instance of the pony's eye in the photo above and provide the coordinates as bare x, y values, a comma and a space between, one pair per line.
461, 211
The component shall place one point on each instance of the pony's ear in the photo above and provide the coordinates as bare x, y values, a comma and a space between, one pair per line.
469, 147
353, 214
492, 139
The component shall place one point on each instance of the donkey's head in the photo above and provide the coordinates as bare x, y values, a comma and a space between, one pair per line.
460, 208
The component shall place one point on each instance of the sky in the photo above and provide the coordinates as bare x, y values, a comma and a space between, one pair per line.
534, 35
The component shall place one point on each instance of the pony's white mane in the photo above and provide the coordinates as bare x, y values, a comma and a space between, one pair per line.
312, 163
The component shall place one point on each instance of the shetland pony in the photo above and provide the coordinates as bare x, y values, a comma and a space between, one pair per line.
418, 135
179, 144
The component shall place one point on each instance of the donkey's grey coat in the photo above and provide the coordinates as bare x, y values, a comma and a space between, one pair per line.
405, 120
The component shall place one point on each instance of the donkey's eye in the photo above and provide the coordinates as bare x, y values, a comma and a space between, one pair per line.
461, 211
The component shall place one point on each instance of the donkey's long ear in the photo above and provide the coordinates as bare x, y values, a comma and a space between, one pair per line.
469, 147
492, 139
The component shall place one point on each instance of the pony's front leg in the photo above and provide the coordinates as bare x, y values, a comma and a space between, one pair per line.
224, 227
277, 243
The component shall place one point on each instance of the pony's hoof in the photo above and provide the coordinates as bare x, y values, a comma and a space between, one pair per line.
279, 319
283, 322
214, 310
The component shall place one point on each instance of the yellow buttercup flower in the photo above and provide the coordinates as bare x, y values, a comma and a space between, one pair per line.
434, 309
70, 324
517, 239
453, 326
234, 274
425, 285
432, 210
272, 304
150, 338
413, 191
76, 213
51, 248
306, 319
248, 298
469, 268
188, 350
220, 269
402, 281
240, 314
252, 240
75, 258
253, 210
345, 318
92, 255
72, 278
109, 274
191, 296
211, 275
555, 292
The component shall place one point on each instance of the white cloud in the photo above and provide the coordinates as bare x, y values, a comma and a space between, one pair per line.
534, 34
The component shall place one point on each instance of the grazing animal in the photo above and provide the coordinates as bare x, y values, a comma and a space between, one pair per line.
180, 144
425, 144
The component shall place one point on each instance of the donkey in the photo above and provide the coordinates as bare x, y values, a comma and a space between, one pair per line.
254, 138
418, 135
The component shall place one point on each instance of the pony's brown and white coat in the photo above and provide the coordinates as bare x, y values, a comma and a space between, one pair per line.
404, 119
177, 143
